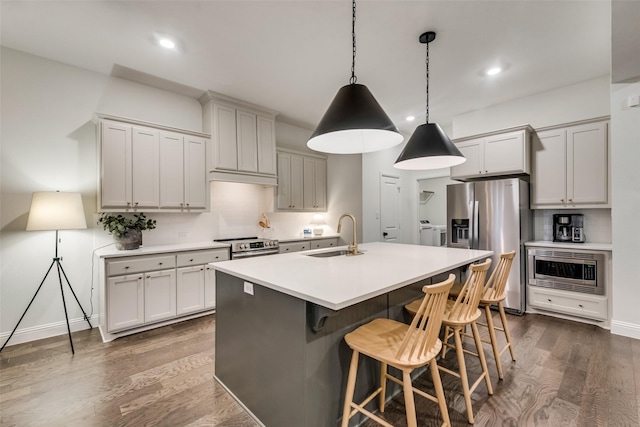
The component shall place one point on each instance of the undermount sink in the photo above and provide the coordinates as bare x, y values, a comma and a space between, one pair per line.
332, 254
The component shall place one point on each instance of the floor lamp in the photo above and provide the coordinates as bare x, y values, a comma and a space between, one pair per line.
54, 210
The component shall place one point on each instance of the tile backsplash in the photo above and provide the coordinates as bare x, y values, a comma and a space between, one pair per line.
597, 224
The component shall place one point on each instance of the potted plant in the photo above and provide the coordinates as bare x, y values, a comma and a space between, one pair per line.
126, 231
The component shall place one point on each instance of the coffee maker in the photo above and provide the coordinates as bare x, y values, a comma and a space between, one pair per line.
568, 228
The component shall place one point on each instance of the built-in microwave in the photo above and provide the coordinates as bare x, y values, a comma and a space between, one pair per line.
566, 270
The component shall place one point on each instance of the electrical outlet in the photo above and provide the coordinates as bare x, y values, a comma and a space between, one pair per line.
248, 288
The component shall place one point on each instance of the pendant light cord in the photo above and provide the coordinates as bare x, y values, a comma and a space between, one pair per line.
427, 67
353, 78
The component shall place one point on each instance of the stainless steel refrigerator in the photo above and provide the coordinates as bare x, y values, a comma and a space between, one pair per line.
493, 215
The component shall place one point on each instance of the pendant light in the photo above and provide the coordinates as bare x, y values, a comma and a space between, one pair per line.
354, 122
429, 147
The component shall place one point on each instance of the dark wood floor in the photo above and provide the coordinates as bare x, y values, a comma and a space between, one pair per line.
566, 374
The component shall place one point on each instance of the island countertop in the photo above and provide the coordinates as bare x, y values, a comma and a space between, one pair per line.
341, 281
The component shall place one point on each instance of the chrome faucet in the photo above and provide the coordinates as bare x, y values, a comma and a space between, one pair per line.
353, 247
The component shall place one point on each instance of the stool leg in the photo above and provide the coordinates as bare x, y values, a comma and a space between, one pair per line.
483, 360
494, 340
463, 374
437, 384
503, 318
444, 341
383, 385
409, 403
351, 386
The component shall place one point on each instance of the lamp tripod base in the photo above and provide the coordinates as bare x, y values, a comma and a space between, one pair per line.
61, 273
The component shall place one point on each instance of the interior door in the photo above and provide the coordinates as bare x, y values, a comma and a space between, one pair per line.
389, 208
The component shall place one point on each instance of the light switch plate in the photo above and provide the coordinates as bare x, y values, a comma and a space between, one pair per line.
248, 288
634, 100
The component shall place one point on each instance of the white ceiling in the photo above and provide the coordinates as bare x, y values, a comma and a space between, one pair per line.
293, 56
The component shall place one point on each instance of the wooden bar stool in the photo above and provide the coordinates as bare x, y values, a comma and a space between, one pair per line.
459, 314
405, 347
494, 293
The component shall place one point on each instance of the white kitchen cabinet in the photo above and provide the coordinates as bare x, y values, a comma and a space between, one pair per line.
125, 302
324, 243
190, 289
571, 167
302, 182
150, 168
315, 184
495, 154
182, 172
141, 292
243, 139
307, 244
289, 194
572, 303
159, 295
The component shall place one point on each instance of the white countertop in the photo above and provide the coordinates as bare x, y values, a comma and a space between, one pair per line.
572, 246
111, 251
341, 281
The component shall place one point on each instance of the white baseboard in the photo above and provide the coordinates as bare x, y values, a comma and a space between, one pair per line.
631, 330
49, 330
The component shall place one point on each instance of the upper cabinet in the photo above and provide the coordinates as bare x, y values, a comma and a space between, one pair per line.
571, 166
302, 182
498, 153
243, 140
149, 167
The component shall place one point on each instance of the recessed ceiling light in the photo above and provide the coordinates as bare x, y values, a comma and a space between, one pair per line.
410, 118
167, 43
493, 71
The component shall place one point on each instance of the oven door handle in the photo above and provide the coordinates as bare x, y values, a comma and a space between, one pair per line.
252, 254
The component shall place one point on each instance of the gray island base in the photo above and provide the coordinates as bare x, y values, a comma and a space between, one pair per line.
284, 356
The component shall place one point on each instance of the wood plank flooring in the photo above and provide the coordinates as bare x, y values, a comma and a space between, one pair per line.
566, 374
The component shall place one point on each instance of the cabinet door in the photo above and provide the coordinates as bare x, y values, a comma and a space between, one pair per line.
548, 180
145, 159
506, 153
125, 302
315, 183
172, 171
159, 295
209, 287
472, 150
195, 176
293, 247
587, 164
190, 288
224, 138
115, 165
290, 182
266, 146
247, 142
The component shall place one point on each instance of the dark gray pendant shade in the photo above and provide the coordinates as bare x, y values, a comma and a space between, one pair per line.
429, 148
354, 123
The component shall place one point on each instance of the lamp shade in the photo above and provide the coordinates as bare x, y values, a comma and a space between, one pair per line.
54, 210
429, 148
354, 123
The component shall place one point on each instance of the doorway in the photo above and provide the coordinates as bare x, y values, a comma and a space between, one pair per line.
389, 208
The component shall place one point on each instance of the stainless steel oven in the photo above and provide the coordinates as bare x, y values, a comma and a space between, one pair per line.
246, 247
567, 270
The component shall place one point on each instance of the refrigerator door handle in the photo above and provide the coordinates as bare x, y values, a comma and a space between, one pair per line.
475, 228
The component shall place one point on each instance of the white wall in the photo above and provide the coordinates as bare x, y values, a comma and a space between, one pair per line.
49, 143
580, 101
625, 155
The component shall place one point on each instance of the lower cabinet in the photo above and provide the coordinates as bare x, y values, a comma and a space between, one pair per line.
297, 246
566, 302
138, 294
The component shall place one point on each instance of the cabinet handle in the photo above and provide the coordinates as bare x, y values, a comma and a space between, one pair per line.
580, 305
128, 203
549, 299
191, 260
486, 171
570, 200
181, 204
217, 257
202, 269
126, 267
159, 263
140, 278
148, 276
562, 200
136, 204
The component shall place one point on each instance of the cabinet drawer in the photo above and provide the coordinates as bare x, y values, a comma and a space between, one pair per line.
324, 243
294, 247
576, 304
186, 259
138, 264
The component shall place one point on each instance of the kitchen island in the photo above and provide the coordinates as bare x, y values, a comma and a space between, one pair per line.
280, 323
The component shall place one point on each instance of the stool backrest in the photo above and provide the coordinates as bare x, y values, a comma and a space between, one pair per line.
467, 302
497, 283
425, 327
